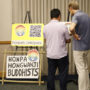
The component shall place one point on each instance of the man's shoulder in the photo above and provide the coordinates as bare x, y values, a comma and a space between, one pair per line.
58, 24
80, 14
46, 25
62, 24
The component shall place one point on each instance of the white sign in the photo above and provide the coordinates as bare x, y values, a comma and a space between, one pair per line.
26, 66
68, 26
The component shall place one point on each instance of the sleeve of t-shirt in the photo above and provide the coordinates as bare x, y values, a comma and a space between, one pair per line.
44, 32
67, 36
74, 19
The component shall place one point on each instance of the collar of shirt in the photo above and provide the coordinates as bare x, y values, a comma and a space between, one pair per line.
78, 11
54, 21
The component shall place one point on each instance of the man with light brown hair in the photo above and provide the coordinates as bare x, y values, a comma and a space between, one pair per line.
80, 29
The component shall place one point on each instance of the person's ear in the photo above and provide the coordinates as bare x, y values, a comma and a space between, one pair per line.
70, 8
59, 18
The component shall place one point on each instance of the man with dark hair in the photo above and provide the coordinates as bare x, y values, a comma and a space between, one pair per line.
56, 35
55, 13
80, 29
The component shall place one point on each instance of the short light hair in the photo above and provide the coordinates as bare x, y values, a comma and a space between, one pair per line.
74, 5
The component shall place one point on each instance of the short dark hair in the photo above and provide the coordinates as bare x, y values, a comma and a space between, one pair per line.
55, 13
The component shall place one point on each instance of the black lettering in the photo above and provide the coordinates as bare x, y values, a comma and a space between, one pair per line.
36, 72
9, 72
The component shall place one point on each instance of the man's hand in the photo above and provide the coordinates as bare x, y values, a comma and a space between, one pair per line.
72, 30
68, 41
76, 36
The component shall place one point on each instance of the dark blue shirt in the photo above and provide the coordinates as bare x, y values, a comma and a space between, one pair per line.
82, 28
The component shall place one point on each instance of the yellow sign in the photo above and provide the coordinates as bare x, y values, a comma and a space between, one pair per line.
27, 35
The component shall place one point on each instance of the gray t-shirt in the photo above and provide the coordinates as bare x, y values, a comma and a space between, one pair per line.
82, 22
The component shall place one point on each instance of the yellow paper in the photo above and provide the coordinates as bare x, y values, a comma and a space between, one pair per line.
27, 35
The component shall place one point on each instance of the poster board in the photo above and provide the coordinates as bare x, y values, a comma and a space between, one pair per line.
39, 81
23, 66
27, 35
68, 26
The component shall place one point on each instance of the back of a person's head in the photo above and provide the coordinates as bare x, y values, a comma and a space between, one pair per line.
74, 5
55, 13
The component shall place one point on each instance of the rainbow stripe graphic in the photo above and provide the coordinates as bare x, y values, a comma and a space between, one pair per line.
20, 30
33, 55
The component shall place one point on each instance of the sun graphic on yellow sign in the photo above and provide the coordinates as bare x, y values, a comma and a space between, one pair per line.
20, 30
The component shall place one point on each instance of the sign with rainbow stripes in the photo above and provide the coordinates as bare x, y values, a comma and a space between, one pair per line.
23, 66
27, 35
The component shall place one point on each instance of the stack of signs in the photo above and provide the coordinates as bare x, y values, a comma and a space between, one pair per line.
25, 67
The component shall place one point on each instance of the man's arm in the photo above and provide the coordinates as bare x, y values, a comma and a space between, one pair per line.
67, 35
72, 30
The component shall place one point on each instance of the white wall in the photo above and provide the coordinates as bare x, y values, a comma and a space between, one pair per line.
5, 20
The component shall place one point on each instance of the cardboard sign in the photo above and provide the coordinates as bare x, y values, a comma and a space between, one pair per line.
23, 66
